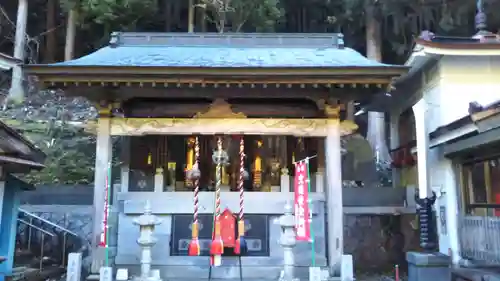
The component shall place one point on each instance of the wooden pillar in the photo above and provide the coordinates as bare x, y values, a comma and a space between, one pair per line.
320, 172
284, 180
125, 166
159, 180
335, 212
420, 111
284, 173
16, 89
395, 143
103, 158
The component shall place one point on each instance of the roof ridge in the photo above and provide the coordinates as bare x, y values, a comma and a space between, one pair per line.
310, 40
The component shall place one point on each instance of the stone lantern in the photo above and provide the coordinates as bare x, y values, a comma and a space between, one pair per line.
147, 222
288, 242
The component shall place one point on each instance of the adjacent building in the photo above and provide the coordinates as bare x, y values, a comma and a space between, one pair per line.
448, 105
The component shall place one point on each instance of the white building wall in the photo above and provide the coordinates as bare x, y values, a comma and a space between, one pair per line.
457, 81
448, 89
465, 79
444, 184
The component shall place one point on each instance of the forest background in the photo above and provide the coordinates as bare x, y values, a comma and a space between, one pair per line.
382, 30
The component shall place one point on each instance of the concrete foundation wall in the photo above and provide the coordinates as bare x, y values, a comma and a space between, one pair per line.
375, 242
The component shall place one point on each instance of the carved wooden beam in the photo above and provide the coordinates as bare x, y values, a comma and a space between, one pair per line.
226, 126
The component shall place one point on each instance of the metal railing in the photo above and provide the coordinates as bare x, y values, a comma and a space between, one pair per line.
480, 238
46, 239
42, 239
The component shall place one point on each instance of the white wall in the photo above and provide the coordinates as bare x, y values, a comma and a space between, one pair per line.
444, 184
448, 92
462, 79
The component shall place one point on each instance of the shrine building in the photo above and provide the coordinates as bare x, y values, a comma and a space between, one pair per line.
170, 99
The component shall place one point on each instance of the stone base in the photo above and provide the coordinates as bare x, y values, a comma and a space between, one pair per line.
428, 266
347, 268
93, 277
189, 272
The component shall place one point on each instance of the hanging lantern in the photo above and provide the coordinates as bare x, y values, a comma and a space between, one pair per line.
397, 158
409, 160
415, 158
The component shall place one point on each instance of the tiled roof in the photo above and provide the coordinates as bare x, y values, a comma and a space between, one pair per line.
242, 50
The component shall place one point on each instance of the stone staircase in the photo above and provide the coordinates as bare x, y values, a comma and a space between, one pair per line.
42, 248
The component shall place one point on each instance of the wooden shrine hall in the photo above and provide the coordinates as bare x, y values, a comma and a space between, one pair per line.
174, 98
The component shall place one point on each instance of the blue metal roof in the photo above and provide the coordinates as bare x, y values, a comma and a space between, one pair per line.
208, 56
240, 50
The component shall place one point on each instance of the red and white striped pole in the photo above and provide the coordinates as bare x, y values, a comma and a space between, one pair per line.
194, 246
217, 247
240, 246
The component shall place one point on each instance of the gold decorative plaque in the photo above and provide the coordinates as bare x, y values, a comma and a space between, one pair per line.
220, 109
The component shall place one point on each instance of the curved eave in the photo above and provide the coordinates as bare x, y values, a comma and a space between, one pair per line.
130, 74
460, 49
7, 62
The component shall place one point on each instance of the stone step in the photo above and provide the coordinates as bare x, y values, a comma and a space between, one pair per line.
34, 274
223, 273
244, 279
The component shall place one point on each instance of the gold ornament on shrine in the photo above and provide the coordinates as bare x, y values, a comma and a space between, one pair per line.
189, 160
257, 166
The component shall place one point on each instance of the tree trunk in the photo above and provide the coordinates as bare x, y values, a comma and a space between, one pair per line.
304, 20
177, 15
168, 15
201, 19
16, 92
51, 39
69, 48
190, 16
376, 120
373, 35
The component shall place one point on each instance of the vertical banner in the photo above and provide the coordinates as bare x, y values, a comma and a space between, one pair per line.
302, 223
104, 226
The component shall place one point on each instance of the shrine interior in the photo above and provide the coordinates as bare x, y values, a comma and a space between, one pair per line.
265, 159
266, 156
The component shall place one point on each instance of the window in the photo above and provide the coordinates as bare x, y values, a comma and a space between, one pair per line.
481, 187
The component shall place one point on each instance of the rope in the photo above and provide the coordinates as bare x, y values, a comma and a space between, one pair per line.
241, 179
197, 180
194, 174
217, 247
219, 179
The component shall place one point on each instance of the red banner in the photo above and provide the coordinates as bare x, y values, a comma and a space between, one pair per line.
301, 184
104, 226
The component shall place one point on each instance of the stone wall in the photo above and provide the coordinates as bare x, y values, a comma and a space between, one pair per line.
377, 242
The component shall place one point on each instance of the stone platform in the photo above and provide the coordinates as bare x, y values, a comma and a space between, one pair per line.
226, 273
